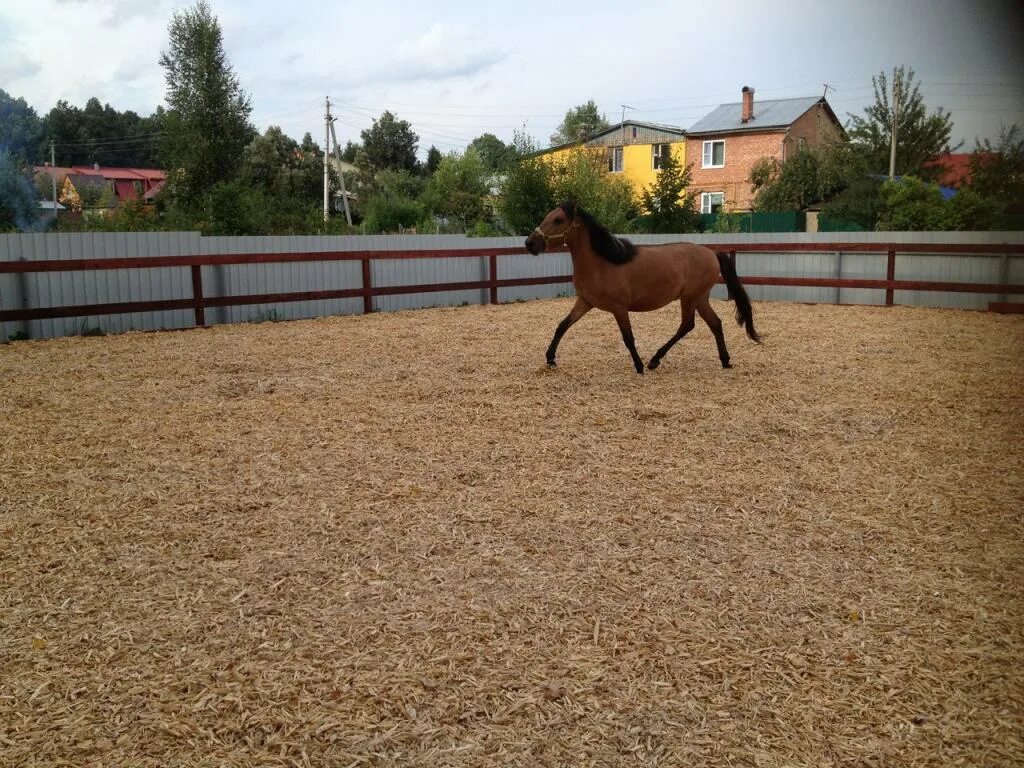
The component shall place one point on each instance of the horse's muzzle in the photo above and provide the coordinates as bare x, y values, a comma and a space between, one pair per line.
535, 244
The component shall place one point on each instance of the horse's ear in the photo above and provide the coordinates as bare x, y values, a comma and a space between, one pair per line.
572, 207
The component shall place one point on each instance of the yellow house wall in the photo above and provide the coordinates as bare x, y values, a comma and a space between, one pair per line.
637, 161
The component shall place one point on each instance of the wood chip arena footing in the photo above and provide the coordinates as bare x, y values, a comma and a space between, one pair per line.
399, 540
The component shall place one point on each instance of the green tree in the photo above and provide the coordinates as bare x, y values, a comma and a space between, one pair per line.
527, 192
276, 164
390, 144
391, 214
233, 210
583, 176
288, 177
788, 186
667, 205
18, 206
919, 136
911, 204
388, 199
580, 123
207, 122
348, 154
21, 129
495, 154
434, 158
997, 172
457, 189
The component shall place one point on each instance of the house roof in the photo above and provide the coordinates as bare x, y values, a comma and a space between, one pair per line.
768, 114
655, 128
125, 189
639, 124
954, 169
80, 180
152, 191
54, 171
113, 174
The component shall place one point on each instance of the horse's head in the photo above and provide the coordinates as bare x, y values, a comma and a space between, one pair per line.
555, 228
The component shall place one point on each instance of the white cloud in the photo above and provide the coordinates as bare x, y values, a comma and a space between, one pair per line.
444, 51
16, 66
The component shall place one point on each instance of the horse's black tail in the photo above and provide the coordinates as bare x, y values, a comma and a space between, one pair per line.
744, 312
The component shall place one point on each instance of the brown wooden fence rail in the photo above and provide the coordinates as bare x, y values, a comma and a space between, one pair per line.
367, 290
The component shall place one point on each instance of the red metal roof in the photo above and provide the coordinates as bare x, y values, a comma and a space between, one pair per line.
55, 171
956, 169
116, 174
125, 190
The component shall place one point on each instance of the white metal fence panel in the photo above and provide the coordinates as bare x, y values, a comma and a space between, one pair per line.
49, 289
42, 289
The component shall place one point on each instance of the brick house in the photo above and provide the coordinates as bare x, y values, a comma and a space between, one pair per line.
724, 145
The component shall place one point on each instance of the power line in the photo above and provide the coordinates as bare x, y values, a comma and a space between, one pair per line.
142, 137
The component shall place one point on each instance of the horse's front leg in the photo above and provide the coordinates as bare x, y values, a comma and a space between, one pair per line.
622, 318
579, 309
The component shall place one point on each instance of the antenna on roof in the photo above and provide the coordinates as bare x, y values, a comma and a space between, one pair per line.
827, 89
623, 121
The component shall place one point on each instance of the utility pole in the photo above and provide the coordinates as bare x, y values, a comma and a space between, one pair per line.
327, 147
895, 118
341, 174
53, 177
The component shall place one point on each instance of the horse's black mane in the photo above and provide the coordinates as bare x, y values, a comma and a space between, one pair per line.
617, 250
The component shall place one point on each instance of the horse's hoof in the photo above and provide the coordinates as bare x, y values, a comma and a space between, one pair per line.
552, 364
727, 365
654, 363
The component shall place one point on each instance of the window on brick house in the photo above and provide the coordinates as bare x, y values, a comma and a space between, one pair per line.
714, 154
614, 159
711, 202
658, 154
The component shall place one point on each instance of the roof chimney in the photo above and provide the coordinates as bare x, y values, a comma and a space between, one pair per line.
748, 104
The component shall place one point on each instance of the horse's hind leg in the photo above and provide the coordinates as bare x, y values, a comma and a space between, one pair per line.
715, 324
685, 326
622, 318
579, 309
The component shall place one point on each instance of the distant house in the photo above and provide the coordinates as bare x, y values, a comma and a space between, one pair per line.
127, 183
725, 144
631, 148
86, 192
953, 169
103, 188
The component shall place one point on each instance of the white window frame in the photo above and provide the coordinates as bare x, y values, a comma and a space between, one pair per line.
707, 201
708, 154
657, 156
615, 158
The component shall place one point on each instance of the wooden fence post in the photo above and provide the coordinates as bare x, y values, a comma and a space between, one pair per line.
197, 295
492, 276
367, 286
890, 275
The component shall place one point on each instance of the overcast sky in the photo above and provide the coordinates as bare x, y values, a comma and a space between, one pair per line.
456, 69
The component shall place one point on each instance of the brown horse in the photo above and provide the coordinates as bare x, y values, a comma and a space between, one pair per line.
613, 274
